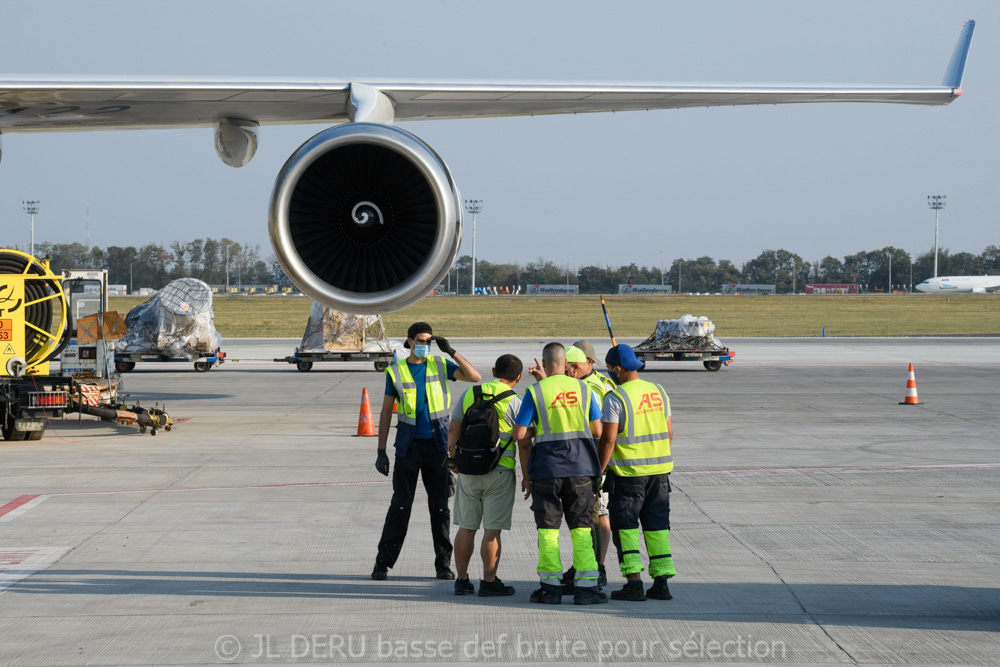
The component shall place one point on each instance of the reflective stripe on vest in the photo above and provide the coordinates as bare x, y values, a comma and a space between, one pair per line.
568, 418
643, 448
436, 390
491, 389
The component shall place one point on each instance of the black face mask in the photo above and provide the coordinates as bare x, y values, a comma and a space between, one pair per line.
614, 376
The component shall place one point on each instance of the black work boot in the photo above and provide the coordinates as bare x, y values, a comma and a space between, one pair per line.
589, 595
464, 587
569, 581
630, 593
659, 590
495, 588
380, 572
547, 594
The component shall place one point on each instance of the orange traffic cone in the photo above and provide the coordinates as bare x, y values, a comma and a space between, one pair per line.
366, 426
911, 390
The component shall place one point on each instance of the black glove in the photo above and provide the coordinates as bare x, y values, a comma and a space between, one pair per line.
382, 462
444, 345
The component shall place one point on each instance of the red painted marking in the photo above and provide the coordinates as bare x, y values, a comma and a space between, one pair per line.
17, 502
181, 420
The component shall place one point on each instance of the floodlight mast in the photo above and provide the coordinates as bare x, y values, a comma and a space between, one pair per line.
475, 207
32, 207
936, 202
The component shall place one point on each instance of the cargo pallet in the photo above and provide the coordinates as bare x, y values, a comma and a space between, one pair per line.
712, 358
126, 362
304, 360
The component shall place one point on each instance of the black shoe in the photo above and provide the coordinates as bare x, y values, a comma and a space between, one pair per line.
464, 587
659, 590
445, 574
629, 593
568, 581
380, 573
495, 588
543, 596
592, 596
602, 578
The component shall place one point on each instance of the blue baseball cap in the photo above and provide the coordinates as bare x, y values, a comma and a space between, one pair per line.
623, 355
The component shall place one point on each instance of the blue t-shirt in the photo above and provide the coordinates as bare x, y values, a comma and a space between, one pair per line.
526, 415
419, 373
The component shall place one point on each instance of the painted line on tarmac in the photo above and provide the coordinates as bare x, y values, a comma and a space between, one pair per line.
19, 506
736, 472
17, 563
22, 504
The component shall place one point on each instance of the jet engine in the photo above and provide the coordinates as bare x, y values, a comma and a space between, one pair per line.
365, 218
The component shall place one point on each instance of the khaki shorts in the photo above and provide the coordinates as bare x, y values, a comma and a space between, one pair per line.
602, 501
486, 500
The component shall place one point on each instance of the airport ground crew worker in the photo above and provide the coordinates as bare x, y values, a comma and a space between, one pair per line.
487, 500
420, 384
580, 359
635, 451
563, 474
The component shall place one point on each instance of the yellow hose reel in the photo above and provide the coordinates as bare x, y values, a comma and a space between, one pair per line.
33, 314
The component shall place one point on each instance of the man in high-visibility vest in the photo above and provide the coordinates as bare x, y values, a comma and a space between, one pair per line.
580, 360
487, 499
563, 474
420, 384
635, 451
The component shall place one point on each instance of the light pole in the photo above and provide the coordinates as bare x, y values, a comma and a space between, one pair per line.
890, 273
662, 282
475, 207
227, 269
32, 208
937, 203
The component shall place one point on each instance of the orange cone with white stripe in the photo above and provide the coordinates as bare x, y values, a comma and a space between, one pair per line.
366, 425
911, 390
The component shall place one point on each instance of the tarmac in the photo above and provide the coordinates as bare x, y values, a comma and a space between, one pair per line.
814, 521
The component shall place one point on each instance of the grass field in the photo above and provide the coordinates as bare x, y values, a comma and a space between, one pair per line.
734, 316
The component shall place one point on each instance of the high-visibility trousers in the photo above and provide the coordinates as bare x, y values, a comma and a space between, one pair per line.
641, 501
574, 498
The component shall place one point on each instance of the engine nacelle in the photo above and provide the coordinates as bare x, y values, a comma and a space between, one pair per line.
365, 218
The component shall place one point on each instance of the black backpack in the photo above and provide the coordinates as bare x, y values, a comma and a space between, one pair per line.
477, 450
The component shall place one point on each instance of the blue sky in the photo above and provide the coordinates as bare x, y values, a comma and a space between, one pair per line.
593, 189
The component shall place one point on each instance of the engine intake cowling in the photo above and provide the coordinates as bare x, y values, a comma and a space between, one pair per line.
365, 218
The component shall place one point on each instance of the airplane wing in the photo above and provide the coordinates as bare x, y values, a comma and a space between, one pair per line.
76, 103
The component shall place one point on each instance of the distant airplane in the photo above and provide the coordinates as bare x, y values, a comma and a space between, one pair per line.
960, 284
365, 217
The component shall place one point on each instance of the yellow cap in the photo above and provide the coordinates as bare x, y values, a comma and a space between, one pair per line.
575, 355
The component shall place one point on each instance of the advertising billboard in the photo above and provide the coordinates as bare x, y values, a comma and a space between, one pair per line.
832, 289
733, 288
644, 289
553, 289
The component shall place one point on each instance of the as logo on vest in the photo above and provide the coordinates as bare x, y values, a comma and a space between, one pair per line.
649, 403
565, 399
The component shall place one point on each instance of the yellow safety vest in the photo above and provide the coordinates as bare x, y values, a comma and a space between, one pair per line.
564, 445
643, 444
436, 391
491, 389
599, 383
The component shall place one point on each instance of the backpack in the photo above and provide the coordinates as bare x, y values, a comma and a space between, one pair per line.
477, 450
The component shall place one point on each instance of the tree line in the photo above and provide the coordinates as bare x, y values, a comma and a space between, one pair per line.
153, 265
787, 271
217, 262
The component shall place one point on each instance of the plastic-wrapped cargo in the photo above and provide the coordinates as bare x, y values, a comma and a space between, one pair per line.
177, 322
330, 330
686, 333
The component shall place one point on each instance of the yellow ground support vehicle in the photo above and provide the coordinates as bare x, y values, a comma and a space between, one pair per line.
33, 331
